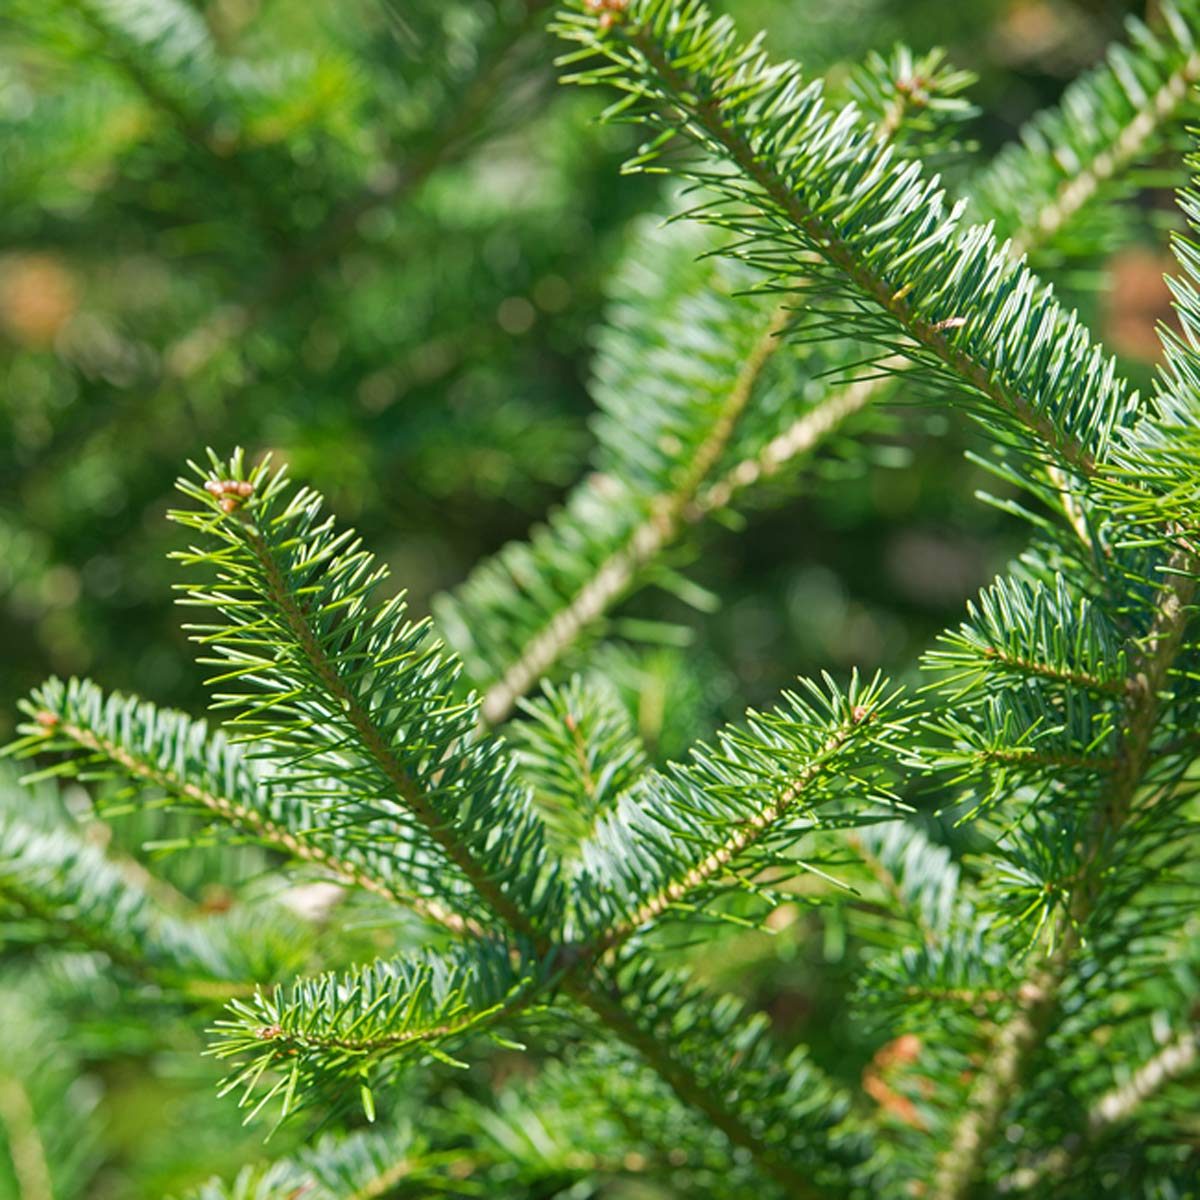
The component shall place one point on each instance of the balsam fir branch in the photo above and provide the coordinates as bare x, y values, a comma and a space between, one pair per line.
898, 270
349, 691
816, 760
1015, 998
1075, 154
336, 1026
134, 740
584, 560
714, 345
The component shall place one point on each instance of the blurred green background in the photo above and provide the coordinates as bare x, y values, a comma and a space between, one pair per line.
373, 237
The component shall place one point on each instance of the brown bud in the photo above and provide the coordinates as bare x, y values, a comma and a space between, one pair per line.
269, 1032
47, 720
245, 488
860, 713
230, 504
213, 487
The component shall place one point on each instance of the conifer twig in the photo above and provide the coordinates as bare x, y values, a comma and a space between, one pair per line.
1177, 1059
669, 513
264, 829
1083, 183
931, 336
377, 746
711, 866
1023, 1033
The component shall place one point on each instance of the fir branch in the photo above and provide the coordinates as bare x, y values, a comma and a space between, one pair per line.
295, 595
680, 835
348, 689
168, 750
289, 582
640, 544
810, 181
737, 338
1176, 1060
1045, 163
339, 1025
1023, 1033
644, 543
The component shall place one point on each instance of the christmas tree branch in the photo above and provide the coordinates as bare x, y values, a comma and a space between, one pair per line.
1018, 1040
694, 96
681, 1078
670, 512
62, 722
1179, 1058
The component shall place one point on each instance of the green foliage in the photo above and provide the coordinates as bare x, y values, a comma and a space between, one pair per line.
346, 689
45, 873
340, 1026
578, 749
737, 810
499, 938
45, 1105
123, 738
894, 267
365, 1164
1070, 157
